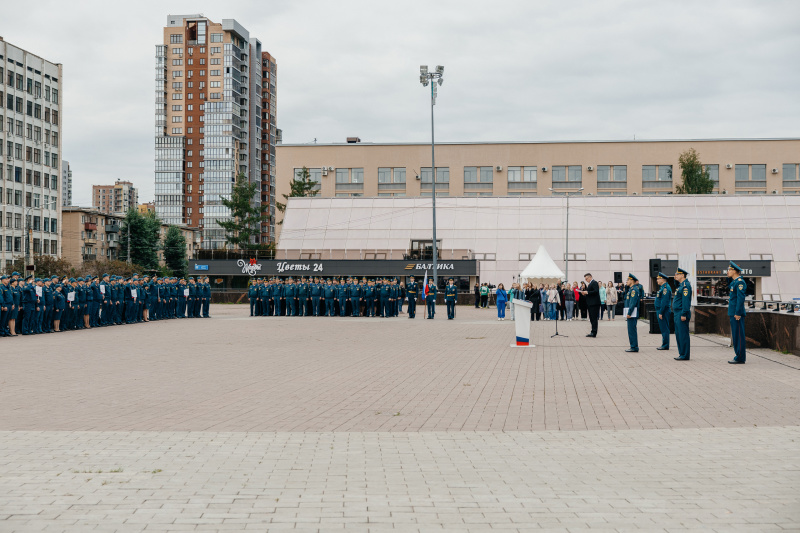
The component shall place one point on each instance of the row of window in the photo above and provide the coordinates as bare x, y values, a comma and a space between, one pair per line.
32, 177
656, 176
36, 223
32, 87
40, 246
31, 155
31, 109
31, 132
13, 197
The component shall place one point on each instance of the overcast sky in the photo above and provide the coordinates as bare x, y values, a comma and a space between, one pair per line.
514, 71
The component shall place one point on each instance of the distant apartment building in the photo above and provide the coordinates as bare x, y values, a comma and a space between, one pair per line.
115, 199
148, 207
30, 149
66, 183
91, 235
210, 120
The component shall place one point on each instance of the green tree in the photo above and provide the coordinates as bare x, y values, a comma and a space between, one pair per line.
302, 185
246, 216
112, 268
175, 251
44, 266
144, 239
696, 180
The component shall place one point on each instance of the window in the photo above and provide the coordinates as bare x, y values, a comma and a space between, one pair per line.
216, 37
713, 173
176, 38
357, 175
442, 175
574, 173
470, 174
559, 173
751, 175
384, 175
342, 175
657, 173
620, 257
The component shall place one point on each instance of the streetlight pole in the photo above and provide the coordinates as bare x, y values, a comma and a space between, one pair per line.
566, 254
433, 78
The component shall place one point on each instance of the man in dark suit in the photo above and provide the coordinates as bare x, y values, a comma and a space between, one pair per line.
592, 294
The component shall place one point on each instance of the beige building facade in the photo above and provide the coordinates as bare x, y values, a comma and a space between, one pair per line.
601, 168
91, 235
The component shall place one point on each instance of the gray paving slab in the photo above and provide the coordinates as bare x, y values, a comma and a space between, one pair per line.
371, 425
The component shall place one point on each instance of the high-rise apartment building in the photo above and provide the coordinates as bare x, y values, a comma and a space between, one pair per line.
208, 121
115, 199
66, 183
30, 149
269, 138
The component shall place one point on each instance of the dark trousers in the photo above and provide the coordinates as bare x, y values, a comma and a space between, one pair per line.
4, 316
329, 307
663, 324
738, 339
342, 307
477, 300
354, 303
484, 300
27, 320
682, 336
594, 313
383, 307
431, 303
451, 309
412, 307
633, 336
315, 304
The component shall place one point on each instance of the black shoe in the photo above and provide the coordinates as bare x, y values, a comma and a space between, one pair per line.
662, 348
590, 335
735, 362
632, 350
681, 358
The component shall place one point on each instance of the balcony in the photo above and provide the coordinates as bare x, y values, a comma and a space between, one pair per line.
112, 228
113, 244
90, 241
90, 226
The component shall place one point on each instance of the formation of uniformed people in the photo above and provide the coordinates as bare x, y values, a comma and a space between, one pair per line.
679, 304
350, 296
33, 305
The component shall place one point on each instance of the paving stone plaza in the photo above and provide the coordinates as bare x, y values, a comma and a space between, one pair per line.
370, 424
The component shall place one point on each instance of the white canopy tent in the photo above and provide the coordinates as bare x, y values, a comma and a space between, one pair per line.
541, 269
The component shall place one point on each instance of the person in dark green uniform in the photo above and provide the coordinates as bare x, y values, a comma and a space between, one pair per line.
430, 299
632, 300
411, 292
736, 313
663, 305
682, 309
355, 297
450, 298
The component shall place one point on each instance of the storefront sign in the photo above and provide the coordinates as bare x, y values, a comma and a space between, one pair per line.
719, 269
334, 267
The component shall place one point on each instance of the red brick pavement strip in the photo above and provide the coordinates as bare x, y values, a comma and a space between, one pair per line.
236, 373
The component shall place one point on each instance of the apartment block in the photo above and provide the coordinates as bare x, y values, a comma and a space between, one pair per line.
30, 149
92, 235
208, 121
269, 138
115, 199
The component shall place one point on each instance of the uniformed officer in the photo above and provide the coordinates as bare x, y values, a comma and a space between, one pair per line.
682, 309
28, 306
663, 305
369, 297
317, 293
450, 298
330, 295
430, 299
6, 305
411, 293
289, 295
252, 295
355, 297
344, 294
736, 313
302, 297
632, 300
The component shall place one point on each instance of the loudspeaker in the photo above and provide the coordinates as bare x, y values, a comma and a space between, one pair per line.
617, 277
655, 267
